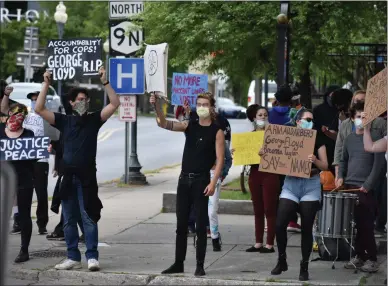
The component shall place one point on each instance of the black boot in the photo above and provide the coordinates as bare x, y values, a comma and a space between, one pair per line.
304, 271
217, 243
22, 256
16, 224
177, 267
199, 271
281, 266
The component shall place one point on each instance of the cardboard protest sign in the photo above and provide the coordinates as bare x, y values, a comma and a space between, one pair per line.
246, 147
74, 58
187, 87
376, 96
34, 123
155, 67
27, 148
286, 150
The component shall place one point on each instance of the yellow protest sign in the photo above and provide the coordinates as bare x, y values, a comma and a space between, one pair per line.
246, 147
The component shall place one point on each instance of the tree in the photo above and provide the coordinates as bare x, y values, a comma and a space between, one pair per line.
245, 32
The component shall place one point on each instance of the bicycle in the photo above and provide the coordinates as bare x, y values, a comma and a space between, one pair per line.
244, 176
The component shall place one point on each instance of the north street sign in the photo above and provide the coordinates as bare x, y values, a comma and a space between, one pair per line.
123, 42
124, 9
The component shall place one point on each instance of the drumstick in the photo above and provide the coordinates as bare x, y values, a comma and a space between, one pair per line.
350, 190
335, 189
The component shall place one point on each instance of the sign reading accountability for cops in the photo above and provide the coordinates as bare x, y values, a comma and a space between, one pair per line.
27, 148
74, 58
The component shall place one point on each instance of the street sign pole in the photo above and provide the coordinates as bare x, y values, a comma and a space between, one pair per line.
126, 152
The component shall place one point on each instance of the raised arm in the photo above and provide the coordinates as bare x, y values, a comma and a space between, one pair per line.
162, 121
5, 101
40, 107
114, 100
370, 146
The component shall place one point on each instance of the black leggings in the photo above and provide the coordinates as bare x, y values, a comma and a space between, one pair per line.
24, 199
308, 211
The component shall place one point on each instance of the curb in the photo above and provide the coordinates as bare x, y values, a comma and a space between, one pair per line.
71, 277
235, 207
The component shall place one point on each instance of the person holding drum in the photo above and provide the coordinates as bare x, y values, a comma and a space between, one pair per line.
302, 193
361, 170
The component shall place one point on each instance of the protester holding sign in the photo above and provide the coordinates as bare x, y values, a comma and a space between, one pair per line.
205, 144
305, 194
79, 189
264, 188
24, 174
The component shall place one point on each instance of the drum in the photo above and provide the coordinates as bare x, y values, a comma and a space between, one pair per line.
336, 217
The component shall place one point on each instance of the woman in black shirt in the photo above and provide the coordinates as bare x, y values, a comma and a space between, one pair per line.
24, 175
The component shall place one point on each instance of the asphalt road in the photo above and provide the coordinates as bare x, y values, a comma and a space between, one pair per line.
156, 147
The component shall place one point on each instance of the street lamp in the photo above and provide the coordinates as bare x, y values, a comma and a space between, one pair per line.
105, 46
283, 49
60, 17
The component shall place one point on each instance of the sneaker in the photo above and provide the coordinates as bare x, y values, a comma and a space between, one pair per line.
93, 265
68, 264
23, 256
42, 230
293, 227
370, 266
56, 236
16, 229
355, 262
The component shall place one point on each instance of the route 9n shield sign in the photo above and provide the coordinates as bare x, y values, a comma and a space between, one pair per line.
122, 41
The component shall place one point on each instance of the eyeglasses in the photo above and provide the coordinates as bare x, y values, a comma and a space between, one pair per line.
308, 119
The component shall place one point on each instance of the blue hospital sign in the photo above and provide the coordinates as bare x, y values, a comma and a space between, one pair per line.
27, 148
126, 75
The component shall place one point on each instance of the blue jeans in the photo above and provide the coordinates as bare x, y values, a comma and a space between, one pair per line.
73, 211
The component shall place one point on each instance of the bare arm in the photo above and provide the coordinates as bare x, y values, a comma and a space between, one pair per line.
162, 121
369, 145
321, 161
114, 100
5, 101
40, 102
220, 153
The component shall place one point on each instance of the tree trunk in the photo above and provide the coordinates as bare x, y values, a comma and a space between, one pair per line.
305, 87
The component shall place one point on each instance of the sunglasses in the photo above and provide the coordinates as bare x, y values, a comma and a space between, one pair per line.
308, 119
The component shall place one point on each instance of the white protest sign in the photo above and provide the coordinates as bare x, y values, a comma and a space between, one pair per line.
155, 67
34, 123
74, 58
27, 148
127, 111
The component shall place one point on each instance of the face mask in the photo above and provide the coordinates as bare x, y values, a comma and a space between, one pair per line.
81, 107
15, 122
203, 112
33, 103
358, 123
306, 125
261, 123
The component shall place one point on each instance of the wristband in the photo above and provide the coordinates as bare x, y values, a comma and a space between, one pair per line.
104, 84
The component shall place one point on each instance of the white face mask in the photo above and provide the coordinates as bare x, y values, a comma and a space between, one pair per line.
358, 123
203, 112
261, 123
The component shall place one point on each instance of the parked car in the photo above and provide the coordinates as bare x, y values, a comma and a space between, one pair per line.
272, 88
229, 109
21, 89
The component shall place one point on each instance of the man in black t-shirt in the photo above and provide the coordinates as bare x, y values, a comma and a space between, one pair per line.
79, 189
205, 144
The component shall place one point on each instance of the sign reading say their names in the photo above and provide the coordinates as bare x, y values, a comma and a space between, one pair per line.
74, 58
376, 96
246, 147
286, 150
27, 148
127, 110
186, 87
124, 9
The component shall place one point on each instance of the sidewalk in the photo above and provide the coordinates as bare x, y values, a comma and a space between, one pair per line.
137, 242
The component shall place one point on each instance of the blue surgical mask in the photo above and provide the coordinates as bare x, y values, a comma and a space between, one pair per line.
33, 103
358, 123
305, 124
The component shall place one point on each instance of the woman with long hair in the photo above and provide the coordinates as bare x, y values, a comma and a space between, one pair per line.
303, 194
264, 188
